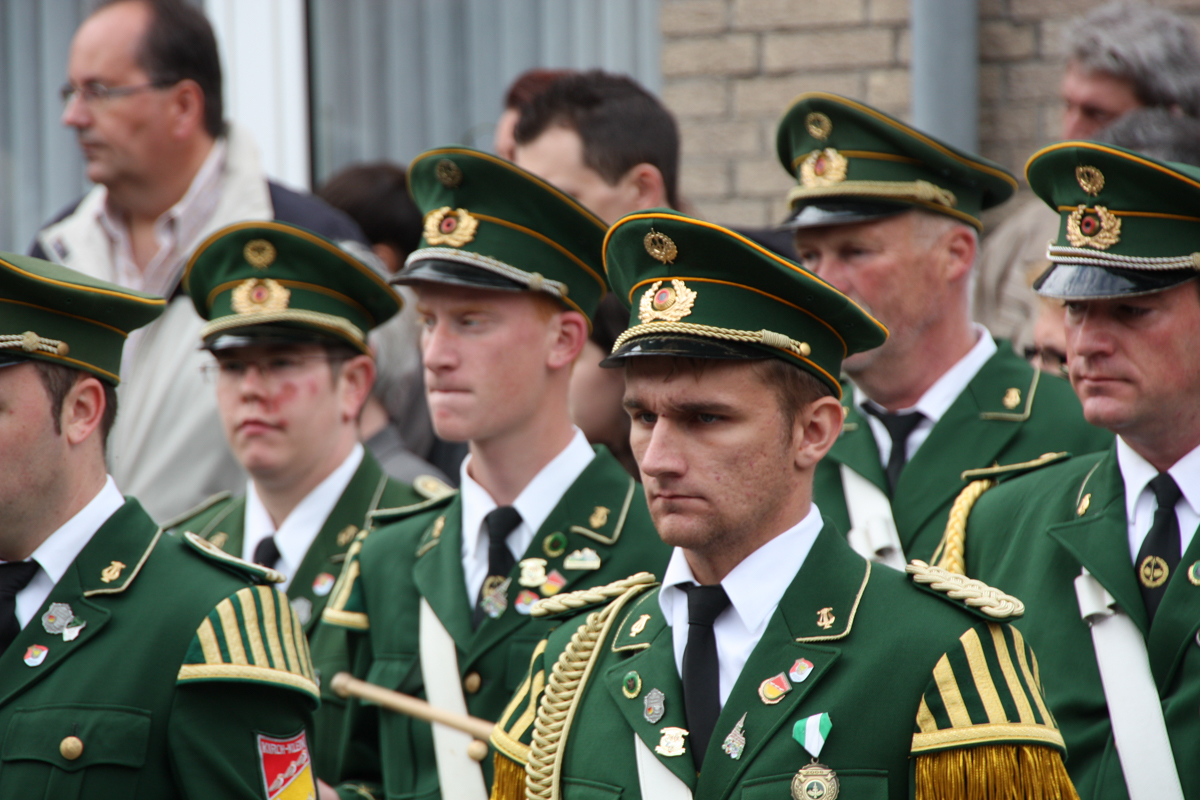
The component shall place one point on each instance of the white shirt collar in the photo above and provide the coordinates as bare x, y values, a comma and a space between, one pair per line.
296, 534
1140, 503
755, 588
61, 548
945, 390
534, 504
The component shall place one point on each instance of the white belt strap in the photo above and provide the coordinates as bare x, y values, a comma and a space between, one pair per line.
872, 529
654, 779
1134, 708
459, 774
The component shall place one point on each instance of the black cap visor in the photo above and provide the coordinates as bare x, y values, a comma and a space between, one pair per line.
681, 347
266, 336
9, 358
836, 211
434, 270
1072, 282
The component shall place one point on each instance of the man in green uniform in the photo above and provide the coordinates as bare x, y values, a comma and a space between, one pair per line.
288, 313
773, 657
890, 216
1103, 547
132, 664
435, 601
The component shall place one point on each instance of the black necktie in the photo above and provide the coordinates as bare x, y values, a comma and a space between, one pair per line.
14, 576
1159, 555
701, 672
266, 553
499, 523
899, 427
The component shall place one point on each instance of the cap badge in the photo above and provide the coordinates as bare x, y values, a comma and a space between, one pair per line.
453, 227
660, 247
260, 296
823, 168
259, 253
448, 173
1091, 180
819, 126
668, 303
1099, 229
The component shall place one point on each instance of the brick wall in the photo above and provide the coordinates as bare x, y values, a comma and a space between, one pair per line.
730, 68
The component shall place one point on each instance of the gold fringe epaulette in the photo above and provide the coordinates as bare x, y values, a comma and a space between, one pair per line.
508, 781
1033, 772
574, 601
976, 595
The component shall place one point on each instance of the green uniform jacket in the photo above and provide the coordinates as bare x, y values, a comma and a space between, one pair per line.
221, 520
185, 659
1032, 536
901, 670
1042, 414
418, 553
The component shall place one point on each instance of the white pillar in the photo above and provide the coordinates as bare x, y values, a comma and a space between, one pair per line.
264, 57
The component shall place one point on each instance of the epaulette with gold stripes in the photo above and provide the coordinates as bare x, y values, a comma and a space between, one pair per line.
213, 553
951, 551
252, 637
976, 596
983, 726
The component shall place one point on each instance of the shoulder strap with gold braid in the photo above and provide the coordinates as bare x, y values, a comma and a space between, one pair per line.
951, 553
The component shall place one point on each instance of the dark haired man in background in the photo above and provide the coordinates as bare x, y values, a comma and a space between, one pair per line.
143, 93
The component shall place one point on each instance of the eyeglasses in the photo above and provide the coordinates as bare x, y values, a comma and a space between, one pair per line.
272, 369
93, 92
1047, 359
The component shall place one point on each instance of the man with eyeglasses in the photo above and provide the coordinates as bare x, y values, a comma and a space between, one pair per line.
143, 94
288, 314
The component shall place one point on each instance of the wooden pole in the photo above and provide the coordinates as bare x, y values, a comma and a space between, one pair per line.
346, 685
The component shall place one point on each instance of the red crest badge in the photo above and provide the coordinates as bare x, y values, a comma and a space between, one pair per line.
286, 768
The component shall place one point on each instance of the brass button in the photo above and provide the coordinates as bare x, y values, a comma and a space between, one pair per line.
472, 682
71, 748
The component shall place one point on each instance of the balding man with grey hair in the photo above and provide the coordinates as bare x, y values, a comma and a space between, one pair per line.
1120, 57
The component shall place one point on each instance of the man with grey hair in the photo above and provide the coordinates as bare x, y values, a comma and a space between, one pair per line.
1120, 57
889, 216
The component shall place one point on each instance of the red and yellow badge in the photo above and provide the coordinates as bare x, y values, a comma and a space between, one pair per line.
286, 768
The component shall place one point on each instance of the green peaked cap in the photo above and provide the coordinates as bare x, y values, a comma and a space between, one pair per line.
490, 224
1129, 224
51, 313
848, 157
270, 273
697, 289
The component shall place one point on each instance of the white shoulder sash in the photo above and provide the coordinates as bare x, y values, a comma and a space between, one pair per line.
872, 529
654, 779
460, 775
1134, 708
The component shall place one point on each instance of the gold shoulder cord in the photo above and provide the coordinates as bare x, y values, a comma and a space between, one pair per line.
953, 547
564, 687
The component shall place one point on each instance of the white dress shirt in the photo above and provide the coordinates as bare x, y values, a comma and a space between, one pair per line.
534, 504
62, 547
755, 587
1140, 503
296, 534
937, 399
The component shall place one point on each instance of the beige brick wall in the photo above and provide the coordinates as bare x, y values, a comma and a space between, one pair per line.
731, 67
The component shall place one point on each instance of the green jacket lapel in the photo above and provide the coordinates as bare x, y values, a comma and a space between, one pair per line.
1177, 619
328, 549
653, 661
972, 433
591, 514
108, 563
856, 447
832, 579
438, 574
1099, 539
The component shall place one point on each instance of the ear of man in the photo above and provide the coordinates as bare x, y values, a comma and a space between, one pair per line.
187, 103
355, 378
567, 333
814, 431
646, 186
83, 412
